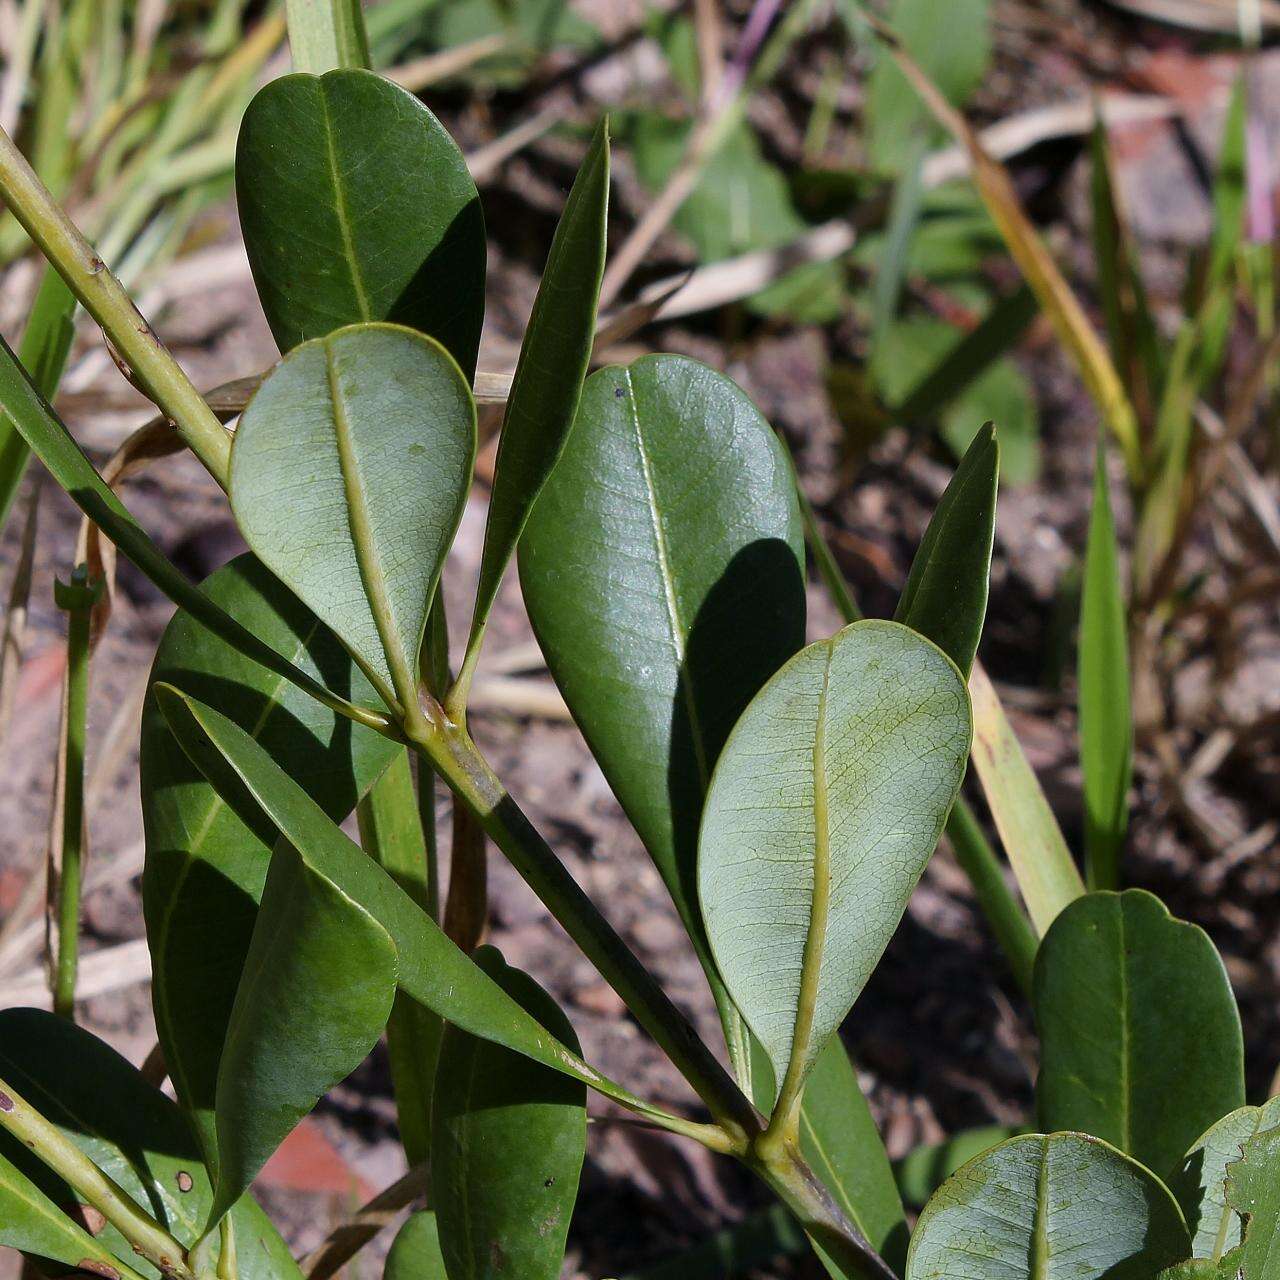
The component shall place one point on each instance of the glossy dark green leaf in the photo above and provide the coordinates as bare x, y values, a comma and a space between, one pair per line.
508, 1140
1106, 719
1035, 1206
922, 1171
356, 204
824, 809
553, 362
205, 866
315, 995
662, 569
1201, 1183
132, 1132
430, 969
1141, 1036
349, 472
415, 1253
945, 597
1253, 1191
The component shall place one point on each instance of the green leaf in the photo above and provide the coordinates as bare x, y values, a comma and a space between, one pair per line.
945, 598
356, 205
316, 993
132, 1132
1201, 1183
1141, 1036
22, 405
840, 1141
508, 1140
1225, 1268
46, 343
823, 812
349, 472
205, 866
30, 1221
923, 1170
1253, 1190
430, 969
415, 1254
954, 53
553, 362
1040, 1206
662, 569
1106, 720
393, 833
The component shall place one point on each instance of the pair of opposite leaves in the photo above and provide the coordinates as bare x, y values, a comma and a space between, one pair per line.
666, 543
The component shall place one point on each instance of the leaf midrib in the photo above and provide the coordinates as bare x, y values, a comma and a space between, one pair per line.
343, 214
665, 573
368, 562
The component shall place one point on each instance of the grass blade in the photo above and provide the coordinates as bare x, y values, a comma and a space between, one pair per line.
1106, 718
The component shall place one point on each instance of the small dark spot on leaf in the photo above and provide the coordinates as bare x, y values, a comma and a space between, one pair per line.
6, 1102
184, 1181
550, 1182
619, 392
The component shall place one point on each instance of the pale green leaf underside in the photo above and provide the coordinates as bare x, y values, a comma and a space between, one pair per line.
1253, 1189
1201, 1185
415, 1255
822, 814
1048, 1208
349, 472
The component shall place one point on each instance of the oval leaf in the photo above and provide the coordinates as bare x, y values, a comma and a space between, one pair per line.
549, 374
415, 1253
508, 1139
205, 865
349, 472
356, 205
1141, 1036
823, 812
945, 597
1040, 1206
316, 993
1201, 1184
132, 1132
662, 569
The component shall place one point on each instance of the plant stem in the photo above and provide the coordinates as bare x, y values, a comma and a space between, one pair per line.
794, 1183
325, 34
457, 760
106, 300
60, 1154
77, 599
